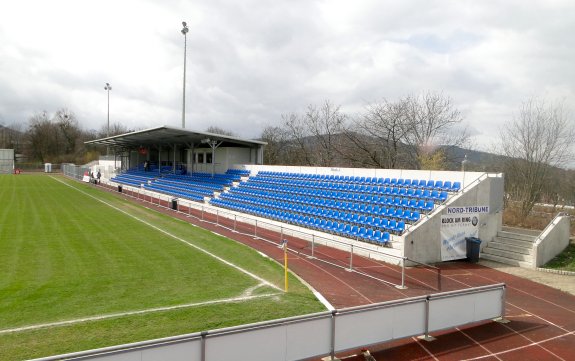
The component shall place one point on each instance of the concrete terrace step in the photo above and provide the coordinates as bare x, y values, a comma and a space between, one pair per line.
504, 260
517, 236
529, 232
505, 246
507, 254
513, 242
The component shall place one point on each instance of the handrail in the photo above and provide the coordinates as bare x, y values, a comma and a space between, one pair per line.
549, 225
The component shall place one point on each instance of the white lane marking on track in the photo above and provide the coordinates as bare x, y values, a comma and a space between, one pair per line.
131, 313
478, 344
531, 313
176, 237
524, 347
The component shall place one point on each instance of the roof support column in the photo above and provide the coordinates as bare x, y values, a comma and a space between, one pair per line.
174, 165
159, 159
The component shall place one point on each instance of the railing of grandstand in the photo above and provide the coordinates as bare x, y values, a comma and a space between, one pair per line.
409, 228
268, 231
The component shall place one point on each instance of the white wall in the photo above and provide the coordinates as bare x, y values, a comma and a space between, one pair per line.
552, 240
422, 243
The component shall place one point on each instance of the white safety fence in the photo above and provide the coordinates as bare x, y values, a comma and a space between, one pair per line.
316, 335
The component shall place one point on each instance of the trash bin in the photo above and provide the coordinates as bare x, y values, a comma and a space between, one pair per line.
120, 188
175, 204
473, 247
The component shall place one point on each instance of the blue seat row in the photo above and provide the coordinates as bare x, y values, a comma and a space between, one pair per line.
343, 229
391, 219
400, 182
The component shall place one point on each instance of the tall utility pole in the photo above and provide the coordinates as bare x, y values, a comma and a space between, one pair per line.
108, 87
184, 31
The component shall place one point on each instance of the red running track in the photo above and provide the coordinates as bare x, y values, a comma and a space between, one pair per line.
542, 318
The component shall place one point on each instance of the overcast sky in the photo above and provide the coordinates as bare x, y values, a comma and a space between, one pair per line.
250, 61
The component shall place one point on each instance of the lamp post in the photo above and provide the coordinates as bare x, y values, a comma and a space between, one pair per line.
184, 31
108, 87
463, 164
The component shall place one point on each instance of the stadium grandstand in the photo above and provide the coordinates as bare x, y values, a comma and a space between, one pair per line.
423, 216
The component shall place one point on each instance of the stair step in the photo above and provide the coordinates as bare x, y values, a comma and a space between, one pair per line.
519, 236
513, 242
512, 262
529, 232
504, 246
507, 254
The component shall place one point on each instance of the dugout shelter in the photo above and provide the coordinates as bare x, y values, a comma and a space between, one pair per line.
167, 148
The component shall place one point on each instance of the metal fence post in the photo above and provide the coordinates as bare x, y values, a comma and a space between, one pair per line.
351, 258
235, 221
426, 336
332, 351
403, 272
312, 245
281, 233
203, 346
439, 279
256, 230
217, 217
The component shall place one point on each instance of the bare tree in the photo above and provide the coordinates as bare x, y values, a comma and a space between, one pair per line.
299, 136
378, 135
217, 130
316, 134
409, 132
276, 151
432, 121
115, 129
539, 138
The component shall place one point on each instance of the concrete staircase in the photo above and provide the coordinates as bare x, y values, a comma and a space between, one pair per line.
513, 246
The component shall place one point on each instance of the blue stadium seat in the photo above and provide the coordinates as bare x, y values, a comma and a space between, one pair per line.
442, 196
414, 216
429, 205
399, 227
385, 237
455, 187
369, 234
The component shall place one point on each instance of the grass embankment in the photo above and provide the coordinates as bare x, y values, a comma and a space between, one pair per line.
65, 255
564, 261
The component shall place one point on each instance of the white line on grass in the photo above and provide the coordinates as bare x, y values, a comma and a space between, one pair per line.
176, 237
131, 313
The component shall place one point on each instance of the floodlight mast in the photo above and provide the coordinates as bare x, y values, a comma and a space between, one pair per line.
108, 87
184, 32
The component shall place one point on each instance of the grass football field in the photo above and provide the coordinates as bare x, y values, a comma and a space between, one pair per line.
81, 268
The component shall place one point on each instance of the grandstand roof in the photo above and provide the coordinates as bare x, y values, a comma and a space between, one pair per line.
169, 135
